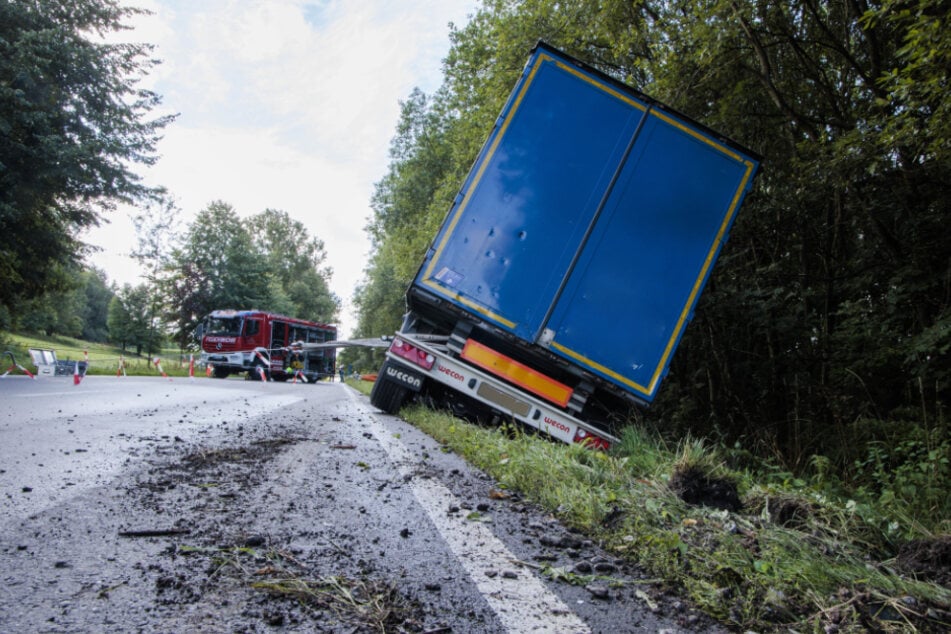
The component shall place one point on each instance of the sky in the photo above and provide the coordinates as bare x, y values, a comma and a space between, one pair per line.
282, 104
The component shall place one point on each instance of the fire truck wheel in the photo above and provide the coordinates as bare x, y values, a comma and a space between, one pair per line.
387, 395
220, 373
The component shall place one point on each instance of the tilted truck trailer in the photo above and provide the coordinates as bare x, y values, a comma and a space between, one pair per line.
561, 281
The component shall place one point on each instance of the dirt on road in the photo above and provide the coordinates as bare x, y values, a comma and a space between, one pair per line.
296, 522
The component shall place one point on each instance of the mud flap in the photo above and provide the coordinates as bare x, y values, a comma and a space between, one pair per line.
393, 386
402, 376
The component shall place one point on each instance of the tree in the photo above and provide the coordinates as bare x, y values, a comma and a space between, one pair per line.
119, 319
380, 307
216, 266
917, 83
408, 204
73, 124
52, 314
79, 311
297, 263
156, 237
132, 322
95, 310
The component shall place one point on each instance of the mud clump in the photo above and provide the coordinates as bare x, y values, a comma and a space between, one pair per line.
789, 512
695, 486
928, 559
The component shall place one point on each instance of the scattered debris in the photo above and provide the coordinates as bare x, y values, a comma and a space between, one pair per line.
159, 532
373, 604
258, 556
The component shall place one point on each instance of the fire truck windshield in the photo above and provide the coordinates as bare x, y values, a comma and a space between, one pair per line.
223, 326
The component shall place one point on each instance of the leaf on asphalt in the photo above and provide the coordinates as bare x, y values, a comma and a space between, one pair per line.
476, 516
640, 594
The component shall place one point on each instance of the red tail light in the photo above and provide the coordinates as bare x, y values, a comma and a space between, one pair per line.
411, 353
591, 441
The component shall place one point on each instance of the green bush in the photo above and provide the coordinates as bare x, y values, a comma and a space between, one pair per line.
908, 480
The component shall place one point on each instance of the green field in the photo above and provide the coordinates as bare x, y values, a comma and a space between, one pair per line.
103, 358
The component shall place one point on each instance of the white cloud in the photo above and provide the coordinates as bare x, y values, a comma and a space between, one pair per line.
287, 104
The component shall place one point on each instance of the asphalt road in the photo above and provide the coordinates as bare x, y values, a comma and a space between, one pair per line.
148, 505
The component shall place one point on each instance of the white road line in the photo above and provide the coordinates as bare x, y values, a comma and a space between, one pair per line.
523, 604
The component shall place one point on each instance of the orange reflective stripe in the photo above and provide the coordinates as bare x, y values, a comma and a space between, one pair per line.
518, 373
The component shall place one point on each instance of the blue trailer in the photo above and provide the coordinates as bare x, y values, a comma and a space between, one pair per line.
566, 271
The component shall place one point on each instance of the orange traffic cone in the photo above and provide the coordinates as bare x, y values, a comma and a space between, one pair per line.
158, 365
76, 376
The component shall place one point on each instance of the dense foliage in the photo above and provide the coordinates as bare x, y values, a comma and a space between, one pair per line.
77, 312
826, 324
73, 124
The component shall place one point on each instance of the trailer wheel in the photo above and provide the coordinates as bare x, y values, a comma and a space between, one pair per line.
387, 395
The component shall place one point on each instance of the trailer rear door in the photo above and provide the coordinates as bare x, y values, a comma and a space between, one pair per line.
590, 222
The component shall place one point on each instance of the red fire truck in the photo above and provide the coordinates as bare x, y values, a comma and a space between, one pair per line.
265, 344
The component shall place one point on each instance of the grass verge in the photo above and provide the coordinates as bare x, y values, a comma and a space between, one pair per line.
791, 558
